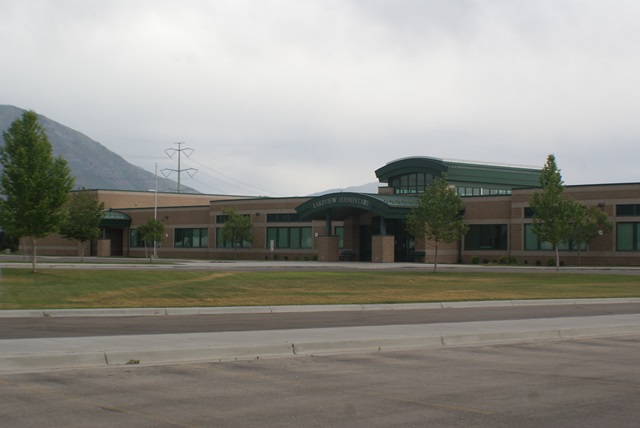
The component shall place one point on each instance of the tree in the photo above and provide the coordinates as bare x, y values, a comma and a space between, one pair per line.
35, 183
82, 220
552, 213
151, 231
587, 224
438, 216
236, 229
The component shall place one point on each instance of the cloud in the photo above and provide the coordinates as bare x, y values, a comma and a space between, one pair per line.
289, 97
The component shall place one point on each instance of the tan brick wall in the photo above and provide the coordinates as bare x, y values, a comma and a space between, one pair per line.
382, 249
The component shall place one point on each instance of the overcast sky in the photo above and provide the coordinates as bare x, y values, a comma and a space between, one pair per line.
291, 97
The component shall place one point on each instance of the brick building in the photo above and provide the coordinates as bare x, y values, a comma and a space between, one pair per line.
368, 227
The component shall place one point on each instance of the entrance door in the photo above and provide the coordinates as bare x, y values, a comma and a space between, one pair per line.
365, 243
402, 242
115, 236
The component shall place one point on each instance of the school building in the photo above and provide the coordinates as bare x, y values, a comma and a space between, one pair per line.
365, 226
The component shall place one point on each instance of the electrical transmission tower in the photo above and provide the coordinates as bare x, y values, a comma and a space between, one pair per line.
171, 152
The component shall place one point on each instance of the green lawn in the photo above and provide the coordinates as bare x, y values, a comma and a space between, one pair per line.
60, 288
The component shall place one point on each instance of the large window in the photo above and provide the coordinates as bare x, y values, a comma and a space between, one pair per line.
135, 241
628, 236
289, 237
486, 237
411, 183
191, 238
532, 243
221, 243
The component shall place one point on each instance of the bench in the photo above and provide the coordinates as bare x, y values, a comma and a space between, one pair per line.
347, 255
417, 256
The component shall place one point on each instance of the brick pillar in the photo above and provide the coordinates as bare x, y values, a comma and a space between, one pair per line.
383, 249
328, 249
103, 248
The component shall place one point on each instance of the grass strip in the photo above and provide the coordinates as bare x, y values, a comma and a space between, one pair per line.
61, 288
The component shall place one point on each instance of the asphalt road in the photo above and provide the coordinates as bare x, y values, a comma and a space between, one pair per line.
576, 383
49, 327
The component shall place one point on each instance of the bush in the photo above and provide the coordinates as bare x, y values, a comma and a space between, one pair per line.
551, 261
507, 260
538, 263
475, 260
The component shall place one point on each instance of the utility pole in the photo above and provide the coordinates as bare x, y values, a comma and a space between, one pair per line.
171, 152
155, 214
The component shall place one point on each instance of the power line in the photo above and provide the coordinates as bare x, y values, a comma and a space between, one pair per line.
171, 153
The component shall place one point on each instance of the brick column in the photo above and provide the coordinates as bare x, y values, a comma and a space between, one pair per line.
383, 249
328, 248
103, 248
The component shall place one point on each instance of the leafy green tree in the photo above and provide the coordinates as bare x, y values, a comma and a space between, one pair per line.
151, 231
81, 223
552, 212
587, 224
35, 183
236, 229
438, 216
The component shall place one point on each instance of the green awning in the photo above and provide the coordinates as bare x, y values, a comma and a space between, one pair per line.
115, 219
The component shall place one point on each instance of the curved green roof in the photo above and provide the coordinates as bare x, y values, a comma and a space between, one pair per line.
343, 204
404, 166
464, 173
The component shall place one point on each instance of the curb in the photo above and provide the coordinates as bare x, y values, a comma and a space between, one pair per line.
297, 308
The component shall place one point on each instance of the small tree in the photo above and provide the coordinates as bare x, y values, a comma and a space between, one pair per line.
552, 213
84, 213
438, 216
36, 184
236, 229
587, 224
151, 231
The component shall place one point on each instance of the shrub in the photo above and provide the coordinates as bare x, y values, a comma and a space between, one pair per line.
475, 260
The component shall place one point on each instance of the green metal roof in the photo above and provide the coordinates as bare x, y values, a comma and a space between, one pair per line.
345, 204
115, 219
464, 173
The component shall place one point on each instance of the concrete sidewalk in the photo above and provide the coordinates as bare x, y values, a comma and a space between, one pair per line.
20, 355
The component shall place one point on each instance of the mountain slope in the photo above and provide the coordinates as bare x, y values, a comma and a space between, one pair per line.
93, 165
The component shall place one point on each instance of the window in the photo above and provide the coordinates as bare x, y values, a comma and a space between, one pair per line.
339, 232
628, 210
531, 242
135, 241
289, 237
410, 183
220, 243
628, 237
191, 238
486, 237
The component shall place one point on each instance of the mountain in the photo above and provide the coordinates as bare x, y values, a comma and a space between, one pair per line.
364, 188
92, 164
